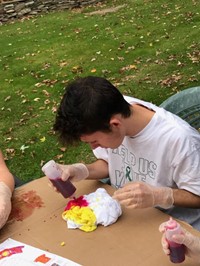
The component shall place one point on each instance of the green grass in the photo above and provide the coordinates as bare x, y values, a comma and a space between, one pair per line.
149, 49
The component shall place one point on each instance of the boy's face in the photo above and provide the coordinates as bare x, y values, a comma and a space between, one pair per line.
101, 139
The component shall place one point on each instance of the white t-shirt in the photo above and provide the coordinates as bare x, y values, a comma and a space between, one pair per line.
165, 153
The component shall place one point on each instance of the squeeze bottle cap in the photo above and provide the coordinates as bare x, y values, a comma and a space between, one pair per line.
171, 224
172, 228
51, 170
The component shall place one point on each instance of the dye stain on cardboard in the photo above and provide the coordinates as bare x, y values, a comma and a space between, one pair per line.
24, 205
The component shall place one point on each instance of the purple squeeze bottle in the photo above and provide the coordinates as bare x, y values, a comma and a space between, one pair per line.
177, 251
51, 170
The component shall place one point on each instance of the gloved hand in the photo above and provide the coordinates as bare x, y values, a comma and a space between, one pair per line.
141, 195
74, 172
5, 203
191, 242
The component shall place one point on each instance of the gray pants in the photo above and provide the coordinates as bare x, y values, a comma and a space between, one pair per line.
189, 215
18, 182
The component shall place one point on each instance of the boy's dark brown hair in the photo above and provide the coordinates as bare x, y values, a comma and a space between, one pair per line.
87, 106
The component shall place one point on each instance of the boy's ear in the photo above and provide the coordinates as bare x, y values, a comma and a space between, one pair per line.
115, 121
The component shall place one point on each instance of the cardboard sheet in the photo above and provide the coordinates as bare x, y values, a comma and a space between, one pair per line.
133, 240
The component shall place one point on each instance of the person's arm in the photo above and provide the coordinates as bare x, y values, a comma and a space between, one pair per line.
142, 195
184, 198
79, 171
137, 195
5, 174
98, 169
6, 188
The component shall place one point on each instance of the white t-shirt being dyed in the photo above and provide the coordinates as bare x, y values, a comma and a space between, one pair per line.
165, 153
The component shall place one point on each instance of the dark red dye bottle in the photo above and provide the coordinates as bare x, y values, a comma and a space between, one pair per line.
177, 251
51, 170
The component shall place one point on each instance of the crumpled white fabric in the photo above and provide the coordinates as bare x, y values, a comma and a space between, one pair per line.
106, 209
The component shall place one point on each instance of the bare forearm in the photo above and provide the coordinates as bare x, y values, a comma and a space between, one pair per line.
5, 174
98, 169
184, 198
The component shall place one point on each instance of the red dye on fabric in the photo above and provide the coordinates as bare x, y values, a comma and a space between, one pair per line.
80, 201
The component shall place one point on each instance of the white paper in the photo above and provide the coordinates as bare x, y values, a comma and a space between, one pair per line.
15, 253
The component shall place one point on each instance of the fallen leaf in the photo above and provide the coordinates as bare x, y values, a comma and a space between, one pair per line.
42, 139
10, 151
7, 98
46, 93
23, 148
77, 69
36, 99
63, 149
59, 156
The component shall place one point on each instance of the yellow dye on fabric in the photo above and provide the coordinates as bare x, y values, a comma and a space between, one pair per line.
82, 216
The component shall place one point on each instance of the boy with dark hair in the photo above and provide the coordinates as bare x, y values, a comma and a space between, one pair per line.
87, 106
150, 155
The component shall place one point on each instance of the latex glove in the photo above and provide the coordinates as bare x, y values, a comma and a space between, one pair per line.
191, 242
141, 195
5, 203
74, 172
